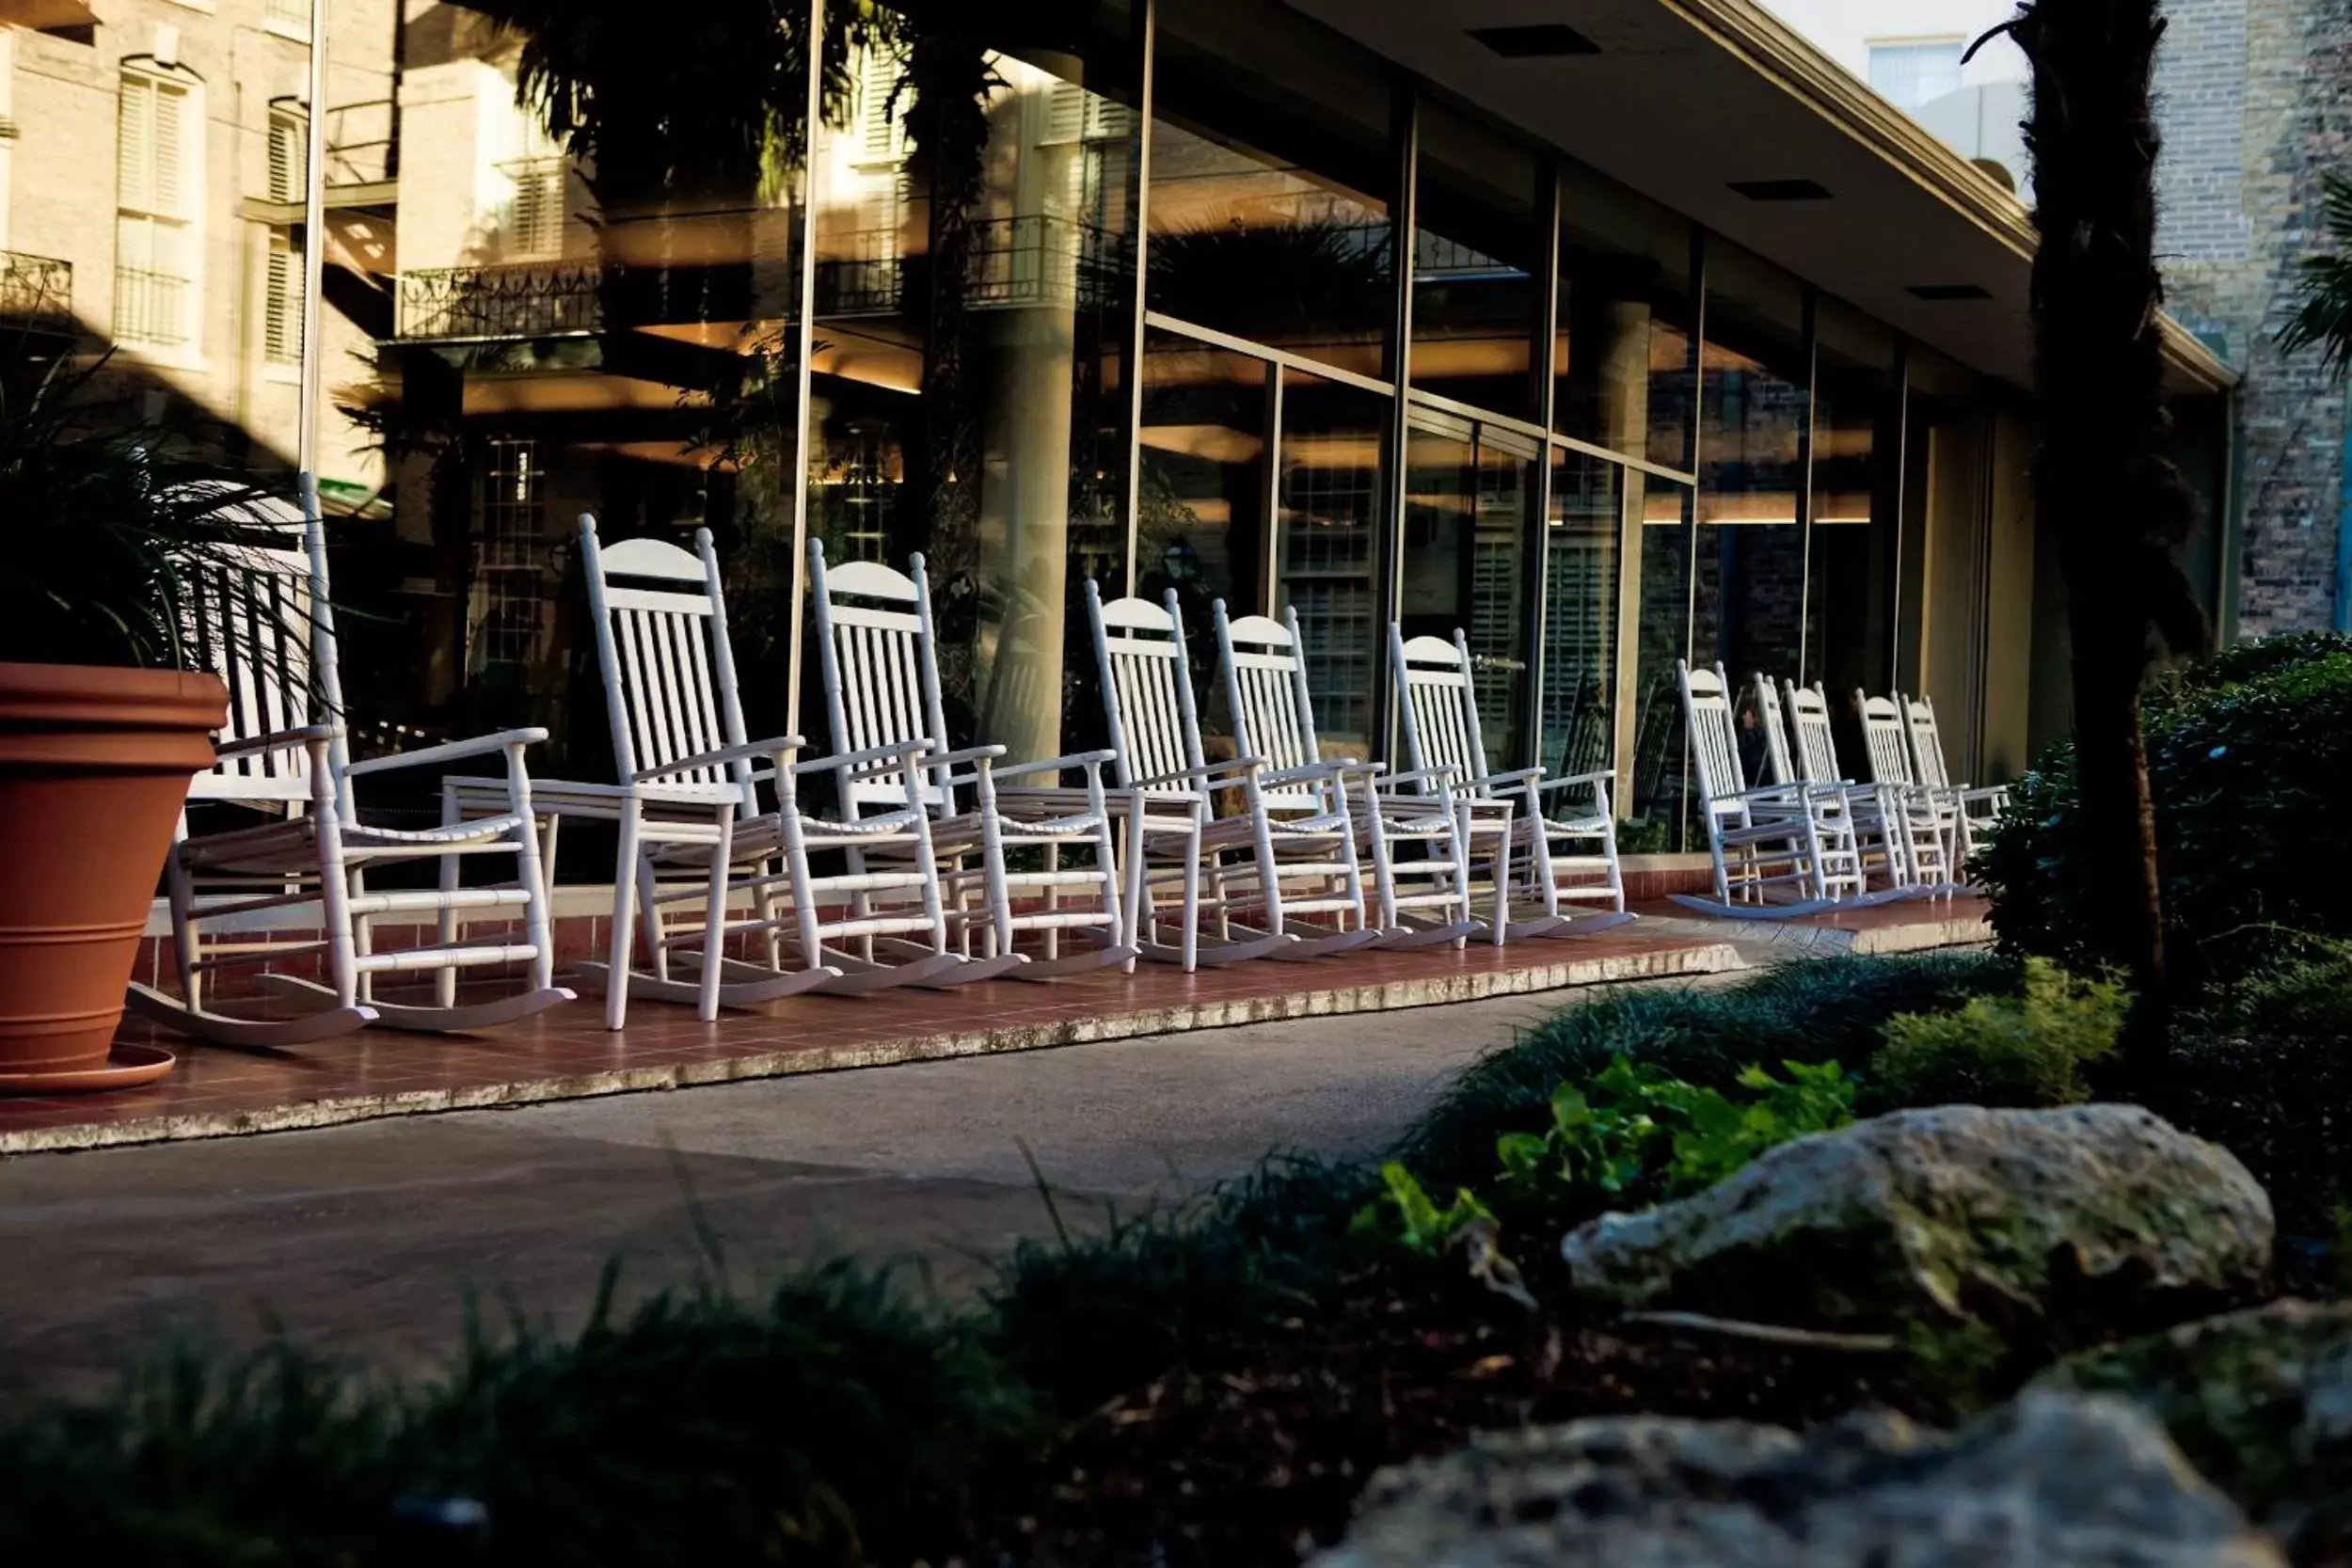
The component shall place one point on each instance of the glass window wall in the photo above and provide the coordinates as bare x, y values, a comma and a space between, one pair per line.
1581, 587
1469, 488
1624, 361
1850, 577
1270, 185
1328, 551
1477, 251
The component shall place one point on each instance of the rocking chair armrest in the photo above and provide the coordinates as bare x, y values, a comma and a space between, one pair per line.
1203, 773
455, 750
1054, 765
1787, 795
870, 762
1442, 774
970, 754
772, 746
1984, 792
282, 740
1511, 780
1600, 776
1311, 772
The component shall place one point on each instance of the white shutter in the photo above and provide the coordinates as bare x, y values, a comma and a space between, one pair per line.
289, 148
880, 104
1065, 113
170, 178
135, 146
281, 323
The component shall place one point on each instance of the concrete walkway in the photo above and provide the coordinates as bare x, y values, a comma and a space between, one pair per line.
361, 1240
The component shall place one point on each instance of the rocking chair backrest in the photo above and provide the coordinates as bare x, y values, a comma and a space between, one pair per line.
1927, 743
669, 675
1714, 735
1779, 763
1440, 708
1889, 753
882, 672
1146, 691
1265, 686
1816, 746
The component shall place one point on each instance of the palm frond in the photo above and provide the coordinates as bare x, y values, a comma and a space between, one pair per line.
2323, 312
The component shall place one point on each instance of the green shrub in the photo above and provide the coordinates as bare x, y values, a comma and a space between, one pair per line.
2019, 1051
1809, 1013
2301, 988
2248, 755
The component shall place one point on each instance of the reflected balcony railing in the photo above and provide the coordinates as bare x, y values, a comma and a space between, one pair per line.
151, 308
513, 300
36, 291
1036, 259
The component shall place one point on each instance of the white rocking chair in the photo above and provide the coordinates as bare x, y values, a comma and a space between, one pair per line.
1265, 687
1931, 820
881, 688
1874, 811
263, 622
1975, 808
692, 828
1155, 730
1534, 823
1778, 850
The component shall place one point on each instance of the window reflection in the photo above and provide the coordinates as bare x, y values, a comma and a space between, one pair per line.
1626, 375
1269, 206
1580, 615
1662, 571
1330, 553
974, 217
1748, 599
1468, 486
1851, 589
1202, 518
1476, 250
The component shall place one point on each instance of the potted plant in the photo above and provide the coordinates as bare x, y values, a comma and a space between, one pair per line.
103, 716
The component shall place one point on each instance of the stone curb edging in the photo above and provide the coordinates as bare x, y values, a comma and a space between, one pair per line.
1376, 996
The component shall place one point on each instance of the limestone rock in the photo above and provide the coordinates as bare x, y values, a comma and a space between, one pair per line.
1955, 1212
2261, 1401
2056, 1481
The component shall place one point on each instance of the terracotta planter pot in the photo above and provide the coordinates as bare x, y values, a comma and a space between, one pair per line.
94, 765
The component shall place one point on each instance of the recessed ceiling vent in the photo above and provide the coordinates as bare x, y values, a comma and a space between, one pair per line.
1942, 293
1540, 40
1781, 190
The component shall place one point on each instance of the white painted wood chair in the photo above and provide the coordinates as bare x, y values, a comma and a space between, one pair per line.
1974, 807
1802, 749
1554, 839
263, 621
881, 662
696, 833
1419, 844
1777, 850
1263, 869
1931, 830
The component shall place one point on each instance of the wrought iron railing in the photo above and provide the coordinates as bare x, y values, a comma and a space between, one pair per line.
523, 299
35, 289
151, 308
1036, 259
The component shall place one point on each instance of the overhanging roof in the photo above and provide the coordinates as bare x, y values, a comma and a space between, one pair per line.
1684, 97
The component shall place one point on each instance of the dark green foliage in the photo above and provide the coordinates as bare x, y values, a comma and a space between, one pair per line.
2027, 1053
109, 515
1084, 1318
1808, 1013
2302, 986
832, 1422
2323, 300
2249, 753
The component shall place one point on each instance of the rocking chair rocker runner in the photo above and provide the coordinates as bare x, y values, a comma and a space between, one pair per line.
1265, 686
1295, 865
264, 623
1778, 850
1535, 823
881, 688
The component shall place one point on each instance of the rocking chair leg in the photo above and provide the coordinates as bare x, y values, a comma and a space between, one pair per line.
625, 874
715, 924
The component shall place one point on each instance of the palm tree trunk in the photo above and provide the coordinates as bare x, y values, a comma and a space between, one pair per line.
2102, 481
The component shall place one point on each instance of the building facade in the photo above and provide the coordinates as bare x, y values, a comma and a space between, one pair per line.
1325, 307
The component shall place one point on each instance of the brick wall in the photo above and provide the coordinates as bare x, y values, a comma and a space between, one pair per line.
2256, 100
